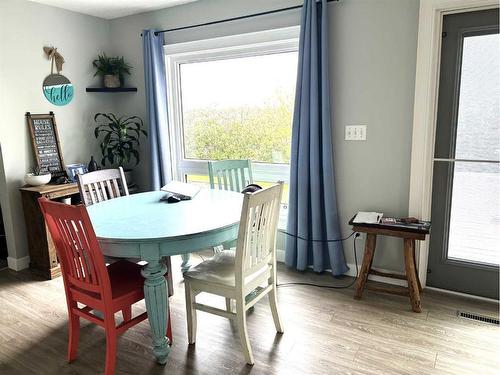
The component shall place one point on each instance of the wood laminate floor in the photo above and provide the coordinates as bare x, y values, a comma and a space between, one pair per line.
326, 332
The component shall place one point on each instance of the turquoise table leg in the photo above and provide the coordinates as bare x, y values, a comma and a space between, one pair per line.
185, 265
155, 293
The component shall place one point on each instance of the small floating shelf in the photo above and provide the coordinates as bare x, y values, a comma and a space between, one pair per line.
114, 89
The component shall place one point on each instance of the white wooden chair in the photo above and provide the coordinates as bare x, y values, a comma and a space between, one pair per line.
235, 274
99, 186
105, 184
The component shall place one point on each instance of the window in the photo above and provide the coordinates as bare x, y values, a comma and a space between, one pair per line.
232, 98
238, 108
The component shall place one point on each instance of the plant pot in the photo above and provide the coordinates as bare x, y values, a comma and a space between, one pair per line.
111, 81
33, 180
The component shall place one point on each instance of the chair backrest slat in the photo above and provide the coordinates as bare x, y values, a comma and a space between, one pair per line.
224, 180
116, 188
97, 190
242, 178
82, 262
230, 174
232, 184
99, 186
104, 192
256, 246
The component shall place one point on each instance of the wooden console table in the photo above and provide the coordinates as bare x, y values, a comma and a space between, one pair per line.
43, 258
409, 234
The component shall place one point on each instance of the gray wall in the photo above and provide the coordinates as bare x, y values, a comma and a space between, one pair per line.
26, 27
373, 54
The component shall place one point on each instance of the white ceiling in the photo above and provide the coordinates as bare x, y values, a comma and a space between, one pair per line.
110, 9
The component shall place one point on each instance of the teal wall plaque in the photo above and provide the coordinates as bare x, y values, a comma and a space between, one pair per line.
58, 89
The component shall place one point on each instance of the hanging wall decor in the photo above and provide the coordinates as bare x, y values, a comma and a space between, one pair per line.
45, 142
57, 88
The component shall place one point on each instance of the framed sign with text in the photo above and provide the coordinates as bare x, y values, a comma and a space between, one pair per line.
45, 142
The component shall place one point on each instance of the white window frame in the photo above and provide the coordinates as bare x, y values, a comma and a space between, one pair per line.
244, 45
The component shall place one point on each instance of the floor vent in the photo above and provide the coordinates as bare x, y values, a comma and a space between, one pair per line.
477, 317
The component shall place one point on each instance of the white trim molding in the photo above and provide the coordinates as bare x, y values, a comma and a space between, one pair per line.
280, 257
18, 264
463, 295
425, 107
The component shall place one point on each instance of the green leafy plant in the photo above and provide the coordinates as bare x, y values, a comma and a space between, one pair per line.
37, 171
111, 65
121, 140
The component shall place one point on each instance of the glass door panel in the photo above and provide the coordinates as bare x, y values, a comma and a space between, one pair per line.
474, 229
478, 125
474, 233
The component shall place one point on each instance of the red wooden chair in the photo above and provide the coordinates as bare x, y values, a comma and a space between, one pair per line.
88, 281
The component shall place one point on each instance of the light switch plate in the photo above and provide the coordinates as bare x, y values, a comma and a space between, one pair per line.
355, 133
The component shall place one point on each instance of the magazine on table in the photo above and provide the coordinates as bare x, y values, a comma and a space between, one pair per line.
182, 190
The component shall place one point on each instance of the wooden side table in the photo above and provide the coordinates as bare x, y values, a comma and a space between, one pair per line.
43, 258
409, 233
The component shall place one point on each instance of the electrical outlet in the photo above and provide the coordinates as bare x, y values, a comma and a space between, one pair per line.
355, 133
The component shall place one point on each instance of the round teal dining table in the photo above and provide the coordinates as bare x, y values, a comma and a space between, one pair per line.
141, 226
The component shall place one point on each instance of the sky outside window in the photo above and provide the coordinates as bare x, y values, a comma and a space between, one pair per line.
239, 107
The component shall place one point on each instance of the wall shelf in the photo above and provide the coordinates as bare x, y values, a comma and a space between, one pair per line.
114, 89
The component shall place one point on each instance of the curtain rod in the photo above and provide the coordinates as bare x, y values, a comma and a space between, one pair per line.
234, 18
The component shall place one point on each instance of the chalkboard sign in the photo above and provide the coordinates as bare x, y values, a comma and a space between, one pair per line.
45, 141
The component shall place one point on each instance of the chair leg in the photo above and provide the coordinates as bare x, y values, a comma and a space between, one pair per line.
273, 303
127, 314
241, 319
111, 338
190, 312
74, 334
228, 305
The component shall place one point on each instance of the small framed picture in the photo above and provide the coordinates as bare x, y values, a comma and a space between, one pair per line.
74, 170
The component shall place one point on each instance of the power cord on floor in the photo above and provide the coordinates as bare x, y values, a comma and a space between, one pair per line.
356, 235
288, 284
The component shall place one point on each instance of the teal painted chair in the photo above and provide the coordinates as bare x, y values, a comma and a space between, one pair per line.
231, 175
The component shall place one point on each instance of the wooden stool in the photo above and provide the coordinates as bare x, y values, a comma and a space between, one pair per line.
409, 234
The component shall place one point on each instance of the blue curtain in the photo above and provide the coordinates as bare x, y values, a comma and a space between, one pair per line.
312, 212
156, 104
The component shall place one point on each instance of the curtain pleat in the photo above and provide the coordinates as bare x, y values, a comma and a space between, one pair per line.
156, 105
312, 212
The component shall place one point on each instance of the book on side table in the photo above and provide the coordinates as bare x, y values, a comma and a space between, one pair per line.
376, 220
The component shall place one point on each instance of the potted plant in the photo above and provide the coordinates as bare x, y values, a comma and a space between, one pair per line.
35, 177
112, 69
121, 140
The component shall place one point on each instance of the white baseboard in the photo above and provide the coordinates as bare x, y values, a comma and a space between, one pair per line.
465, 295
18, 264
280, 257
